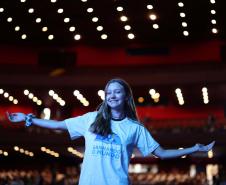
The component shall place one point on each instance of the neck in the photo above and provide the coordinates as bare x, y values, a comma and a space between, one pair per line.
115, 114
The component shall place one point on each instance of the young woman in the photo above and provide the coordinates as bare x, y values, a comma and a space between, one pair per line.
110, 133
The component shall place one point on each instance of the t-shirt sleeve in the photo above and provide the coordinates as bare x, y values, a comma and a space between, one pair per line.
78, 126
145, 142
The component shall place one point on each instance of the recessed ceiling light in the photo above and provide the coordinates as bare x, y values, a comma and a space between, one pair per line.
119, 8
104, 36
72, 28
9, 19
17, 28
66, 20
123, 18
213, 11
214, 30
60, 10
100, 28
24, 36
131, 36
150, 7
186, 33
31, 10
44, 29
182, 14
213, 21
94, 19
90, 10
127, 27
77, 37
153, 17
50, 37
155, 26
184, 24
38, 20
180, 4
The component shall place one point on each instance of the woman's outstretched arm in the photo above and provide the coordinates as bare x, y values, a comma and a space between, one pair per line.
51, 124
173, 153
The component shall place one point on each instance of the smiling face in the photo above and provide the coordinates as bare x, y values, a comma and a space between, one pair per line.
115, 96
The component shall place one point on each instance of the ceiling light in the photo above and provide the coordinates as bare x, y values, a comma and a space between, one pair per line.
123, 18
24, 36
84, 0
182, 14
213, 21
127, 27
51, 92
94, 19
9, 19
26, 92
15, 101
89, 10
131, 36
186, 33
11, 98
66, 20
153, 17
72, 28
1, 9
31, 10
44, 29
212, 1
31, 95
60, 10
214, 30
119, 8
149, 7
184, 24
104, 36
77, 37
100, 28
6, 95
38, 20
213, 12
39, 102
53, 1
180, 4
50, 37
17, 28
155, 26
22, 1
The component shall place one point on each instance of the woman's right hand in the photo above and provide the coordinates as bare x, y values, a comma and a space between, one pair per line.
16, 117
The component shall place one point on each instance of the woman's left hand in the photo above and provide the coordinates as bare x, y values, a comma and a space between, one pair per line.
204, 148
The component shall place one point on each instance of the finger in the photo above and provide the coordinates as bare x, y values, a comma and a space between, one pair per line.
211, 144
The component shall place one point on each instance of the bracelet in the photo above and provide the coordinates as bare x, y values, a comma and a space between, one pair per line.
28, 119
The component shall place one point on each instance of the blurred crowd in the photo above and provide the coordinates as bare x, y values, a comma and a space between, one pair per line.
71, 175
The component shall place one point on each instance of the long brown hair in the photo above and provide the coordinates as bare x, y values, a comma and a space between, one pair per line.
102, 123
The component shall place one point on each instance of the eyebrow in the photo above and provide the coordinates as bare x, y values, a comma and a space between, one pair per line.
115, 89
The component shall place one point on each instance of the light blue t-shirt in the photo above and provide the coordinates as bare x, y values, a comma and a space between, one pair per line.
106, 159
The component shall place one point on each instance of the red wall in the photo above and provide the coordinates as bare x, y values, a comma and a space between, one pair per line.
93, 56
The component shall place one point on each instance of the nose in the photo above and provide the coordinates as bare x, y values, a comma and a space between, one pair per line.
112, 95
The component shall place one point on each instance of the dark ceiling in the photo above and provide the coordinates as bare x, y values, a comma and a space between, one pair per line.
197, 16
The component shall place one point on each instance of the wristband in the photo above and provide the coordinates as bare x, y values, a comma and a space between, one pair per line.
28, 119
